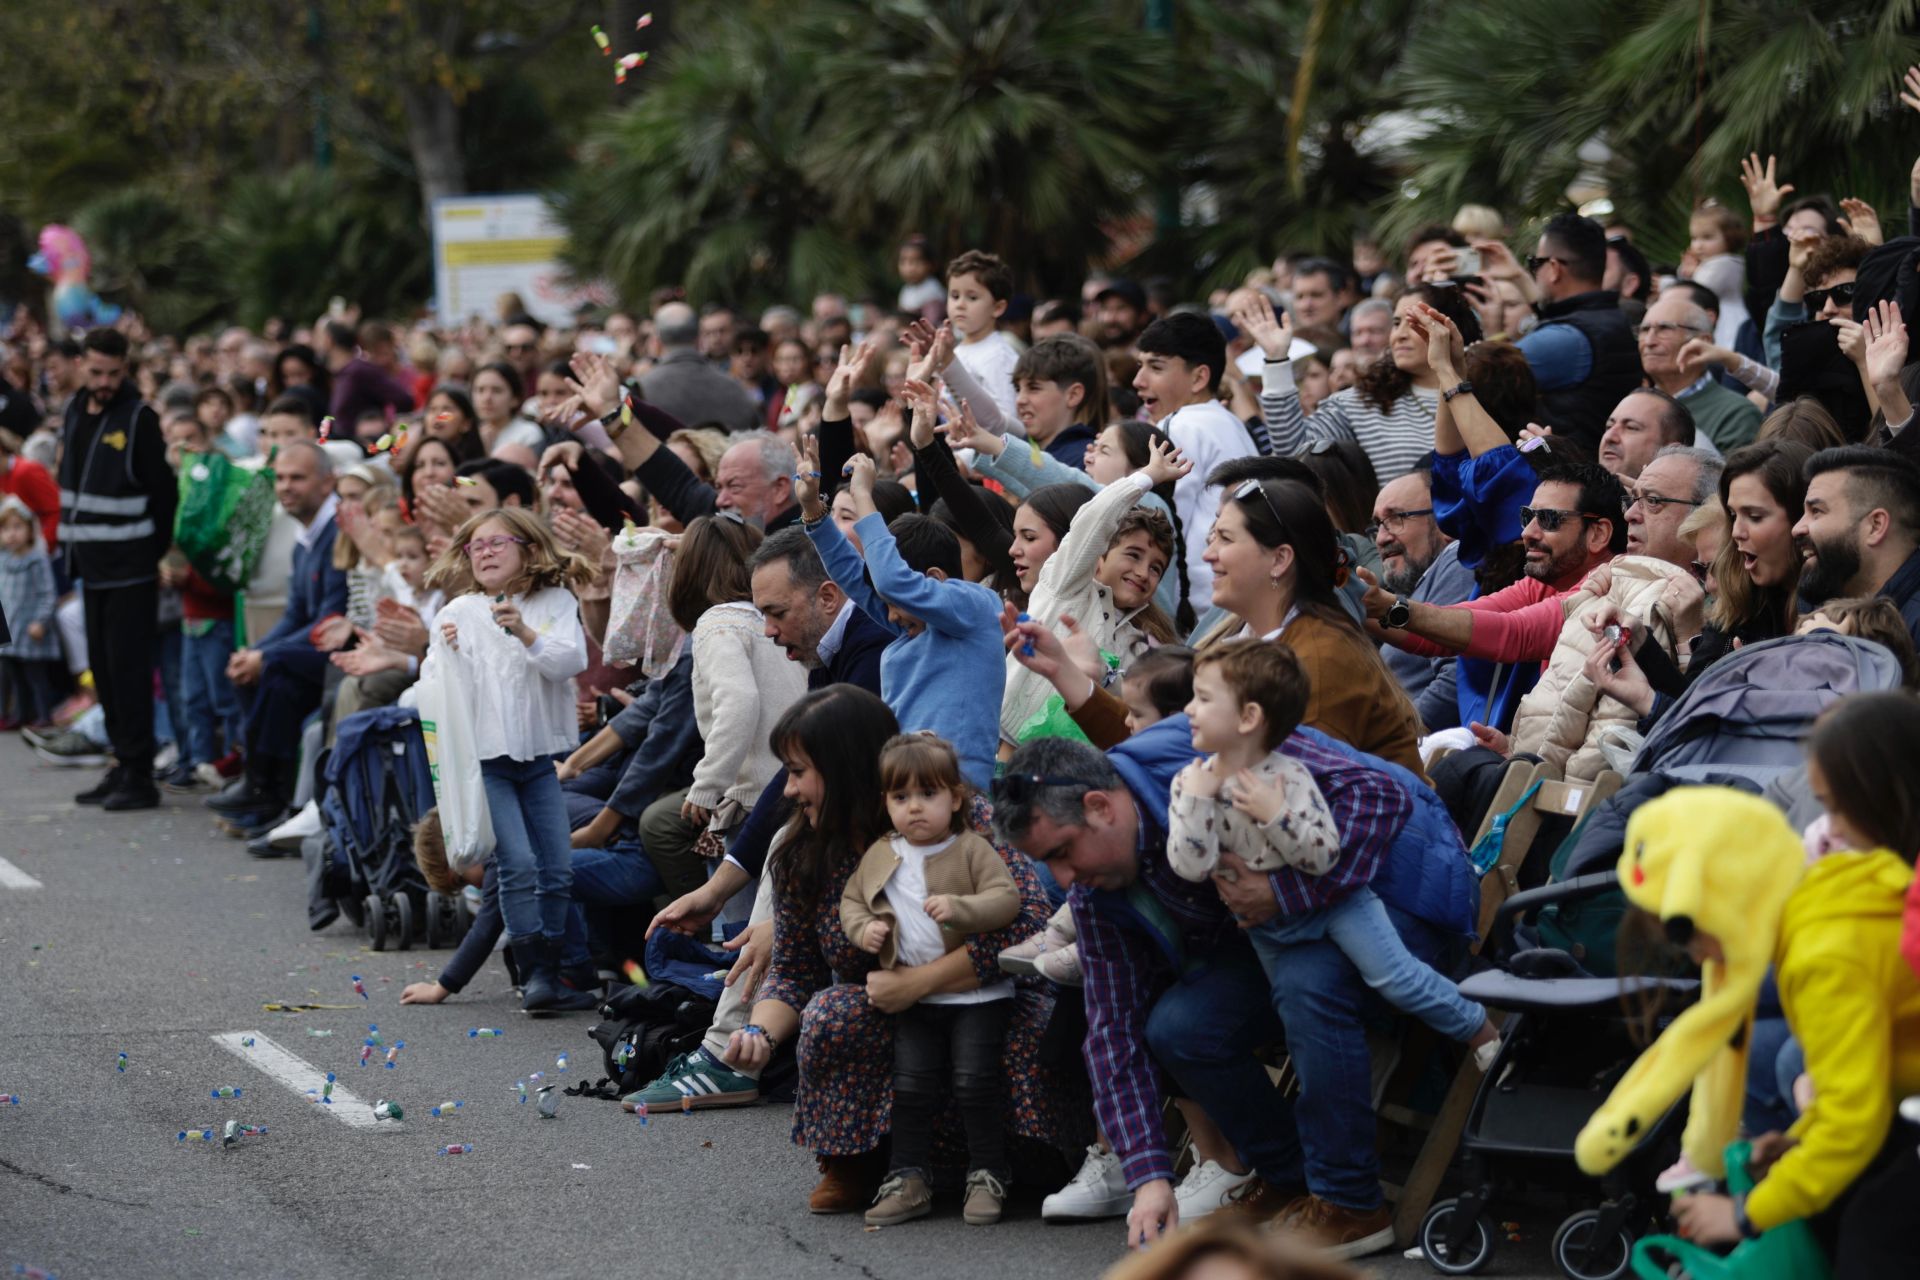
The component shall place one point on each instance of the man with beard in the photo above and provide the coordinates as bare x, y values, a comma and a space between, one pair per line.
1420, 562
1575, 523
1860, 532
1120, 313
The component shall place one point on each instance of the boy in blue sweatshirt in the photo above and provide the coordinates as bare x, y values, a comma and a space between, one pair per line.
945, 669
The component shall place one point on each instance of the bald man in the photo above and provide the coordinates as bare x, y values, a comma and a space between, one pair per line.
285, 671
683, 382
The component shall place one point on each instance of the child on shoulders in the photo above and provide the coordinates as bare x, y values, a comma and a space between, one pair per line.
1248, 797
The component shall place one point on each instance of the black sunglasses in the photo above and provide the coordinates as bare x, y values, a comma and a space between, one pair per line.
1551, 518
1841, 294
1019, 788
1535, 262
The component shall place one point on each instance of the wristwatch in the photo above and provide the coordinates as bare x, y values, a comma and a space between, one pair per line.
1399, 613
1459, 389
1740, 1219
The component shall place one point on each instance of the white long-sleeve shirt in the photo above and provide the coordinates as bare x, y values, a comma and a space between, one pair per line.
521, 695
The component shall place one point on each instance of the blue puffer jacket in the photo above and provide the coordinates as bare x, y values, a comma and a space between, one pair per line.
1148, 760
1425, 873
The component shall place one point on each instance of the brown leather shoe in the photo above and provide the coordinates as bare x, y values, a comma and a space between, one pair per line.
1335, 1232
847, 1183
1263, 1201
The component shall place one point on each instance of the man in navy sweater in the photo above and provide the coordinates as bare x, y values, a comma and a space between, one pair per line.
820, 628
284, 670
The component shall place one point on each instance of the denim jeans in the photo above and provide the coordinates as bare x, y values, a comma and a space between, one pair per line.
1205, 1028
168, 713
533, 850
964, 1042
612, 890
1359, 926
210, 712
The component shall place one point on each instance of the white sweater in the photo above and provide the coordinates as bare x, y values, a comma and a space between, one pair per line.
742, 684
521, 695
1208, 434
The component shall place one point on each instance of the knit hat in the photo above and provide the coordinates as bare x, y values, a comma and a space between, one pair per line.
1722, 862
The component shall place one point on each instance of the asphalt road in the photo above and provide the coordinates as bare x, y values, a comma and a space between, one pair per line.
152, 935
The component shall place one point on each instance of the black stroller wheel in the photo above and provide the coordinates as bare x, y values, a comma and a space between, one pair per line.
402, 920
1470, 1257
462, 913
437, 926
376, 922
1581, 1255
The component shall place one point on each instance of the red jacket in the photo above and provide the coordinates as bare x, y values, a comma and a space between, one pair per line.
28, 481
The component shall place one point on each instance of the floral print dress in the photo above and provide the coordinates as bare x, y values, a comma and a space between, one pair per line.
844, 1101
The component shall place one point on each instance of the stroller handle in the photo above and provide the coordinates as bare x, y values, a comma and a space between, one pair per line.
1532, 899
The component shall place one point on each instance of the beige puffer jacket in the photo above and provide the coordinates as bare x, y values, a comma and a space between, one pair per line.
1563, 718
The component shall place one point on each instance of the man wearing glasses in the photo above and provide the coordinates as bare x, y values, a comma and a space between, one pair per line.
1725, 417
1420, 562
1575, 523
1582, 353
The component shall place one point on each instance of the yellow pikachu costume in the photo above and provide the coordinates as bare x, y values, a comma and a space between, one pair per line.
1730, 864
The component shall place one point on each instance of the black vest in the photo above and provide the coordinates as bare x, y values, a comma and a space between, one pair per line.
1580, 412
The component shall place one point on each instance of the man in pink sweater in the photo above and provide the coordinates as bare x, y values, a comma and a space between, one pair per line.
1576, 522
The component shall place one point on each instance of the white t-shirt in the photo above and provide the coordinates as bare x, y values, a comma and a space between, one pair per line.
991, 362
918, 937
1208, 434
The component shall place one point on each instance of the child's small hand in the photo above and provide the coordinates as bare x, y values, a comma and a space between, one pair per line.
1261, 801
423, 993
506, 615
940, 907
451, 634
1165, 463
1202, 780
862, 475
874, 937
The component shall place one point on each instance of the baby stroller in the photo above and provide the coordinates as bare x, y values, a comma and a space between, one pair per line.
377, 788
1568, 1041
1565, 1044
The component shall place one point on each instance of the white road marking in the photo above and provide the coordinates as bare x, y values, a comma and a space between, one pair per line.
14, 878
298, 1075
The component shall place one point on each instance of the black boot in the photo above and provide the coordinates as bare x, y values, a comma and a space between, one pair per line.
107, 786
538, 982
574, 988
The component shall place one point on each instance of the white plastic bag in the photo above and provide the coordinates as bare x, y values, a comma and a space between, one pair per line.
446, 722
640, 627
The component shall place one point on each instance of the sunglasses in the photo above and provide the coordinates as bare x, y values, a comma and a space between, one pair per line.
1551, 518
1535, 262
1841, 294
494, 543
1249, 488
1019, 788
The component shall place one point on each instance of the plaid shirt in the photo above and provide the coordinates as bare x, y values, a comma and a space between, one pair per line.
1134, 944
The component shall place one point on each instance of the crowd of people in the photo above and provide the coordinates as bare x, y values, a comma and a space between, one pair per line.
1058, 703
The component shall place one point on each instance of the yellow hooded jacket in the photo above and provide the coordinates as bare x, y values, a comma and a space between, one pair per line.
1729, 862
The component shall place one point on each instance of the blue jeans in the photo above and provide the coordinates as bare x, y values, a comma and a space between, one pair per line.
207, 699
1204, 1031
169, 718
533, 849
607, 883
1359, 926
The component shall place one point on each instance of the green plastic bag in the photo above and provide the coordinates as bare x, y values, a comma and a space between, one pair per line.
1788, 1252
1053, 720
223, 518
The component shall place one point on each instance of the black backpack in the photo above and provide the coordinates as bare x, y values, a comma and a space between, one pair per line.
641, 1030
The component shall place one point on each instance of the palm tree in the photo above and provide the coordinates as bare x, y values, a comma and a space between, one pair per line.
1665, 96
1019, 126
703, 181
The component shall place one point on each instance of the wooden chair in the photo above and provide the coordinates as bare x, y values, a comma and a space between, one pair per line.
1554, 797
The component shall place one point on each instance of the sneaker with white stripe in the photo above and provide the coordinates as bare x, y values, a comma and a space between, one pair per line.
692, 1082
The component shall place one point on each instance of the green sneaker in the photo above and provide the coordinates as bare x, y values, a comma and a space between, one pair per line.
693, 1081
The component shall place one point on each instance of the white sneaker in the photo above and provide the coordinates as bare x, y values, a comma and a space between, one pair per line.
1099, 1190
1483, 1057
1206, 1188
290, 833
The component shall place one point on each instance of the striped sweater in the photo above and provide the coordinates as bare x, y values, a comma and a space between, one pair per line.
1395, 440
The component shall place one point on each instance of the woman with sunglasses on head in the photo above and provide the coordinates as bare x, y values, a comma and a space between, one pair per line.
1755, 572
1278, 569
